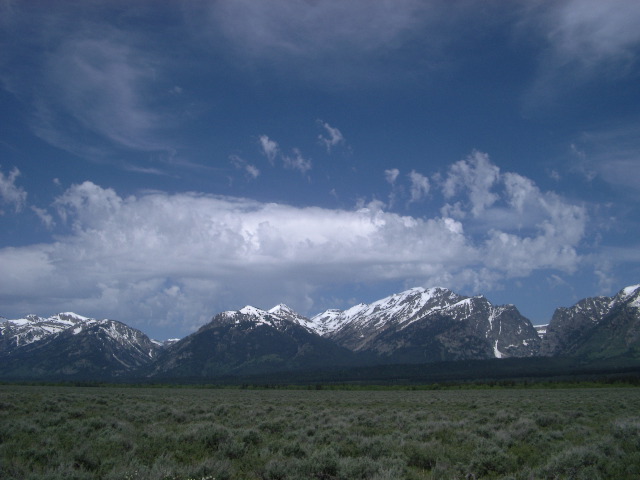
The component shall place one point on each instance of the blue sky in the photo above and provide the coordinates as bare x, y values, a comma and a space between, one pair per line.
163, 161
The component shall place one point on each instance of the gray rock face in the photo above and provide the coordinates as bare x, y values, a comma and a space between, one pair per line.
598, 324
568, 323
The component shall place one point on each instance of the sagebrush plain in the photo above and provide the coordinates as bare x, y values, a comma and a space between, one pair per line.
205, 433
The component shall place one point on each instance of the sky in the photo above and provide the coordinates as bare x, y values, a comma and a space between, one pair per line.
161, 162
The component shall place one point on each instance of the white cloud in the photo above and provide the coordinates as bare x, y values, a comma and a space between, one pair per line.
269, 148
177, 259
45, 217
251, 171
100, 83
391, 175
302, 28
297, 162
334, 136
10, 193
419, 186
329, 43
585, 40
475, 176
611, 154
90, 88
590, 32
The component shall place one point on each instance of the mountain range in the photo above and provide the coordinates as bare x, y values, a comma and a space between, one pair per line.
417, 326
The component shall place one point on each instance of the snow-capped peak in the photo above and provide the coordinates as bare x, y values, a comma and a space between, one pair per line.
400, 308
630, 294
72, 316
630, 290
32, 328
249, 310
281, 308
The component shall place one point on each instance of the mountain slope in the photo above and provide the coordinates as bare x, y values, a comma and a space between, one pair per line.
598, 327
434, 324
415, 326
249, 340
71, 346
23, 331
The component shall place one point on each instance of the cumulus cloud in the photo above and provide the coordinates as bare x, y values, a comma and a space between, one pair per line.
10, 193
526, 228
156, 257
332, 138
475, 176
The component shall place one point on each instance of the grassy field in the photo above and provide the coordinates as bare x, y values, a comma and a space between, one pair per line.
171, 433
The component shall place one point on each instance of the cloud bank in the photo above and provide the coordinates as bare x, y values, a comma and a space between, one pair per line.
179, 258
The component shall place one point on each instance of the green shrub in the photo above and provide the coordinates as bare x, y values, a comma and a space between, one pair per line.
198, 433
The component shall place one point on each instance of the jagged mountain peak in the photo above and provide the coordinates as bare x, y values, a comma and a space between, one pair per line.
278, 317
249, 317
569, 326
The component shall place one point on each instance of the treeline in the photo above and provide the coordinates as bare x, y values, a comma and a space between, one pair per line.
477, 374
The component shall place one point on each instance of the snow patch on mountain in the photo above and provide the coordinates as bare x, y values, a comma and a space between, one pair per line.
32, 328
630, 295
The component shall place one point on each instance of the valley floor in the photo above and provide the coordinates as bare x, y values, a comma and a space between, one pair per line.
177, 433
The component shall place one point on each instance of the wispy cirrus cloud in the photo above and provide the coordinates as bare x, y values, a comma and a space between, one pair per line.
269, 148
581, 41
295, 161
612, 154
391, 175
419, 186
330, 43
92, 89
10, 193
251, 171
589, 33
331, 138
